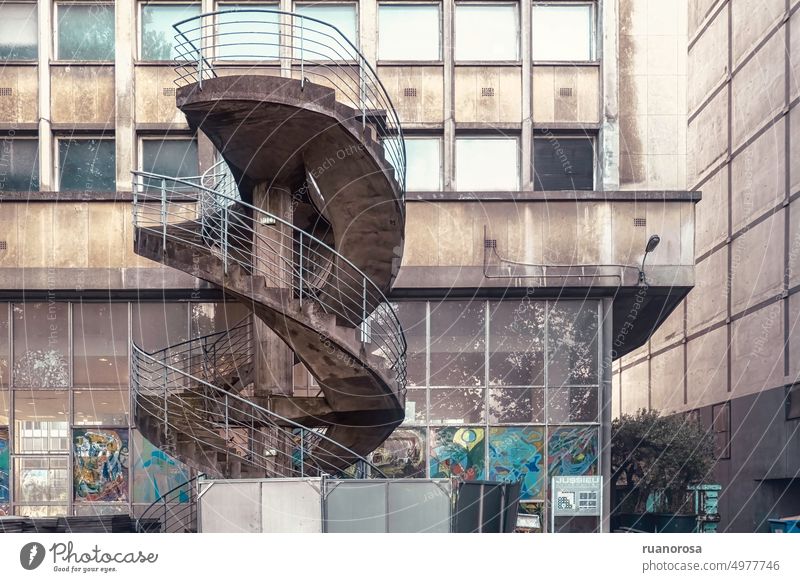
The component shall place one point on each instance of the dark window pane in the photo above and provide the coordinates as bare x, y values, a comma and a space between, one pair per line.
208, 318
42, 480
41, 423
86, 32
516, 343
563, 163
158, 36
458, 452
402, 454
19, 165
159, 325
572, 404
155, 472
516, 405
5, 459
41, 345
793, 403
412, 318
5, 403
572, 343
87, 164
101, 407
18, 31
100, 332
457, 343
100, 457
170, 157
517, 454
456, 405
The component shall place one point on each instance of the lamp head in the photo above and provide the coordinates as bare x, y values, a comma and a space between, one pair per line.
652, 243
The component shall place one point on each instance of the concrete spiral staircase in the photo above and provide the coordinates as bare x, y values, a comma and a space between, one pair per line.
302, 222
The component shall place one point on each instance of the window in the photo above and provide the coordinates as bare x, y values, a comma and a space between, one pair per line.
486, 32
563, 32
41, 421
170, 157
101, 407
317, 42
722, 430
409, 32
85, 32
41, 480
5, 352
249, 36
487, 163
457, 343
423, 164
793, 402
41, 345
18, 31
86, 164
157, 41
563, 162
100, 338
158, 325
19, 165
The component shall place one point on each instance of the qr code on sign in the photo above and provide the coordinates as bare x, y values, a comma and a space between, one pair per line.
566, 501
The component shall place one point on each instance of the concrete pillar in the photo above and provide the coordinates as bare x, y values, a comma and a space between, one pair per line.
45, 16
449, 149
274, 359
124, 104
526, 146
368, 30
609, 133
607, 337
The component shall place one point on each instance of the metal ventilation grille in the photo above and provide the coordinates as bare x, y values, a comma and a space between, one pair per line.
168, 91
487, 91
3, 245
490, 243
6, 91
639, 222
410, 92
565, 91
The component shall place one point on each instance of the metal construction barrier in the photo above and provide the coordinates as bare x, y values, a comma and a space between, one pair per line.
320, 504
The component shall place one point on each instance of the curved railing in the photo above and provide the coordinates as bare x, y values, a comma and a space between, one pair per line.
301, 47
174, 512
225, 425
289, 258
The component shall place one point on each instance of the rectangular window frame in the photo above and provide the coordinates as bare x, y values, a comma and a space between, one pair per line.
518, 34
488, 136
569, 134
440, 139
267, 62
417, 62
141, 4
593, 40
19, 136
142, 138
57, 58
32, 60
57, 138
356, 41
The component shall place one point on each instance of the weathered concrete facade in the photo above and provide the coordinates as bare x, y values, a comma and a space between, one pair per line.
730, 350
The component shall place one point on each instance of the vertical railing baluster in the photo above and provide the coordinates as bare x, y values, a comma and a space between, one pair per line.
302, 56
227, 437
301, 268
225, 238
164, 215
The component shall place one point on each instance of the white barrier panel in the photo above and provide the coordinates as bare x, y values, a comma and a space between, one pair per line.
289, 505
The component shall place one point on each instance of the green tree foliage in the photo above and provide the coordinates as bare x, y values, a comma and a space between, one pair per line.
658, 454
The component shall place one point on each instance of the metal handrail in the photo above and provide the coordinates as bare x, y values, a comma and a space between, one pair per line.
296, 40
172, 515
211, 220
229, 412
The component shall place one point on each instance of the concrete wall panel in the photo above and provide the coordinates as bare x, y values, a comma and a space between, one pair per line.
22, 105
707, 368
707, 303
707, 138
566, 94
670, 331
666, 375
756, 364
712, 213
488, 94
417, 92
82, 94
155, 96
794, 243
756, 275
752, 19
635, 387
708, 65
794, 336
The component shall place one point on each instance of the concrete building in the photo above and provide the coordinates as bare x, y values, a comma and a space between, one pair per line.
542, 151
730, 350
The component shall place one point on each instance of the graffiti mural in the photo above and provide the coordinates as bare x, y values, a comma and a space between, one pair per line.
402, 454
458, 452
155, 472
572, 450
4, 465
100, 471
517, 454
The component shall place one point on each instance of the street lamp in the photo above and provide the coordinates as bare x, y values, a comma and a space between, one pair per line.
652, 243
